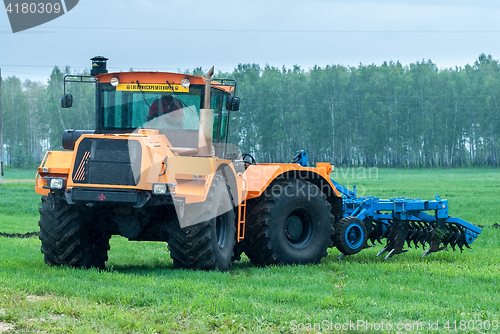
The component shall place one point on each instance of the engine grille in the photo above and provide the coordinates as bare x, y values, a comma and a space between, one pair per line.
108, 161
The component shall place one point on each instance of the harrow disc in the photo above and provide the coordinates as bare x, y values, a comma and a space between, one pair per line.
417, 233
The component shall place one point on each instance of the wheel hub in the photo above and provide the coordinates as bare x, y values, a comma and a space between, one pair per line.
354, 236
299, 229
294, 227
221, 230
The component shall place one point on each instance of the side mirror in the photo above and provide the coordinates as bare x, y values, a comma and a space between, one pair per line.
66, 101
233, 103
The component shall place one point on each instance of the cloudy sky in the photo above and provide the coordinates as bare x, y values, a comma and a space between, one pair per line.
177, 35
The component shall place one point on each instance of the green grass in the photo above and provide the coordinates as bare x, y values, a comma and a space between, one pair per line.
139, 292
18, 207
11, 174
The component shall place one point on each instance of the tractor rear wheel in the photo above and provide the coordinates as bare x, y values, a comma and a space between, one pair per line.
208, 245
68, 237
291, 223
350, 235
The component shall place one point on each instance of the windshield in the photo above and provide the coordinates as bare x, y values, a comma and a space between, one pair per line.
164, 107
125, 108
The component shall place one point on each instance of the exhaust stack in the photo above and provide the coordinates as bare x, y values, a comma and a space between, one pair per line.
206, 126
98, 66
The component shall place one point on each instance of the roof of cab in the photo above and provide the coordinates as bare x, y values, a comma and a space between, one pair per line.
160, 78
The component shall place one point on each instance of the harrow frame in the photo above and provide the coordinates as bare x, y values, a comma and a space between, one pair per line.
386, 218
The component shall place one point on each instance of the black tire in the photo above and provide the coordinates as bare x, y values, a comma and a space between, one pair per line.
68, 237
239, 248
208, 245
290, 224
350, 235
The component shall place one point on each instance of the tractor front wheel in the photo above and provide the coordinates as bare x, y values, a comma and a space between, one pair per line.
208, 245
68, 237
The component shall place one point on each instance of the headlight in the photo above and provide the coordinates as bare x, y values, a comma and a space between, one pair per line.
159, 188
185, 83
114, 81
164, 188
57, 183
54, 183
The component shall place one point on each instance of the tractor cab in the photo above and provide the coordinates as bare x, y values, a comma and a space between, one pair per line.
127, 102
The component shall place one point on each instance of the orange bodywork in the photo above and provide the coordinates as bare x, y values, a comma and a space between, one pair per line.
54, 164
192, 175
160, 78
260, 176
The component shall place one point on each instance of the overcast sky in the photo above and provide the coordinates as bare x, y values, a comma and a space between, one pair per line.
177, 35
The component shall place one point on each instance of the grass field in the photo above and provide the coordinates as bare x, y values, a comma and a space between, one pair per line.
139, 292
11, 174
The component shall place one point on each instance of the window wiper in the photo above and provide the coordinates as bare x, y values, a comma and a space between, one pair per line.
143, 96
172, 88
177, 97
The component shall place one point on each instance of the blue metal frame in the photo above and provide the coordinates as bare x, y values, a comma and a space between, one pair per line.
401, 208
301, 158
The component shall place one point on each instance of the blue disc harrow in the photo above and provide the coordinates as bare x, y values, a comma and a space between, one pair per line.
401, 221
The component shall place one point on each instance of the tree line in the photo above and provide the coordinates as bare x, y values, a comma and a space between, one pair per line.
386, 116
33, 120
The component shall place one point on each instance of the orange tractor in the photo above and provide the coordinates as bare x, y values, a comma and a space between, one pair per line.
158, 167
